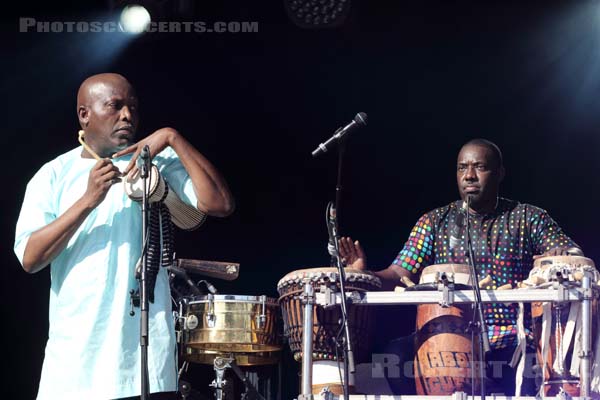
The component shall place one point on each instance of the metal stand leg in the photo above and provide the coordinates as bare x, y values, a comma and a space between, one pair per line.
308, 299
586, 325
220, 365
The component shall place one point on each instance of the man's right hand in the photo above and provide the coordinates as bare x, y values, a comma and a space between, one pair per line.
352, 254
102, 176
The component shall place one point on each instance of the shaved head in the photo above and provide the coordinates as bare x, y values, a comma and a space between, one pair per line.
90, 88
107, 111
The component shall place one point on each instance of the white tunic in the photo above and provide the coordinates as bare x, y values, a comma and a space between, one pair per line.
93, 349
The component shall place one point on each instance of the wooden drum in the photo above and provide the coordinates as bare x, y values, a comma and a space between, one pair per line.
326, 325
557, 326
443, 343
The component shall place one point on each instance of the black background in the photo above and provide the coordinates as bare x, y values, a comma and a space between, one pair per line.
430, 75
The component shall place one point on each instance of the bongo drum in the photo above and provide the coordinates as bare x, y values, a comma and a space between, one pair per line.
557, 326
443, 343
183, 215
326, 325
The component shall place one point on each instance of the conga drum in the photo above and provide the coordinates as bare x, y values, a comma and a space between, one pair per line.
326, 322
557, 326
443, 343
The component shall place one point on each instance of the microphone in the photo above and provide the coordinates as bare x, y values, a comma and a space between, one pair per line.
209, 286
143, 158
456, 232
175, 271
359, 120
330, 217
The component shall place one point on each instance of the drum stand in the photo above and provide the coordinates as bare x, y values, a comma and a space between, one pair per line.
308, 299
220, 365
559, 293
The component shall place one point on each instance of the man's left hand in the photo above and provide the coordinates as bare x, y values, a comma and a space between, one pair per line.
157, 142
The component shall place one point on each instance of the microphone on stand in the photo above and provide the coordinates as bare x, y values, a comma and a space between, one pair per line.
456, 233
209, 286
359, 120
175, 271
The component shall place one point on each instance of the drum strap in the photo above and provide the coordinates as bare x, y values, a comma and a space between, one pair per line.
546, 331
520, 351
573, 326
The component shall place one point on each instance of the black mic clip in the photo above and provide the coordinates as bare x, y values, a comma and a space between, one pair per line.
144, 159
330, 219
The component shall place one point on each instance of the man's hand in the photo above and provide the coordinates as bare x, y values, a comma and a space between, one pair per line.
102, 176
352, 254
157, 142
560, 251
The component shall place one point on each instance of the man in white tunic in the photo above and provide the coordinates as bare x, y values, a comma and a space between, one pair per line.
76, 216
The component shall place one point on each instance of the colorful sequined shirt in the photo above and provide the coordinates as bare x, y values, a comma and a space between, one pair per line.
504, 243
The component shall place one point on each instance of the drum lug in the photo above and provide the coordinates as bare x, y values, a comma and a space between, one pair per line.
211, 318
446, 286
261, 320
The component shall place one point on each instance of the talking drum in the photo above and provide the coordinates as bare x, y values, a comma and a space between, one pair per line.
557, 326
443, 342
243, 326
183, 215
326, 322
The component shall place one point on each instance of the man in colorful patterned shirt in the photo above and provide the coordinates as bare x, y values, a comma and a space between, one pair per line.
506, 237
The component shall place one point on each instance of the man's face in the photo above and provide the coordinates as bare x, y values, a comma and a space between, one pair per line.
112, 117
478, 174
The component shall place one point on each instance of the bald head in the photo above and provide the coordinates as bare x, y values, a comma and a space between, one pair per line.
107, 111
96, 84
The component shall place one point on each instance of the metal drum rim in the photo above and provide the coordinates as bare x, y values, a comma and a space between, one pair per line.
233, 298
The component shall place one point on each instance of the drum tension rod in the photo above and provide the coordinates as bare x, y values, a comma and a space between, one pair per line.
261, 320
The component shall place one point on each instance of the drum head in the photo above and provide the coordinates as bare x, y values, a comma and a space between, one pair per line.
563, 260
461, 274
324, 274
135, 187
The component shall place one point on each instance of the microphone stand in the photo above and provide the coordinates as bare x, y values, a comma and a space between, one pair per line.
349, 367
144, 306
479, 326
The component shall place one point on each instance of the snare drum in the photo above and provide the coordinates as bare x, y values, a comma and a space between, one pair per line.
326, 322
245, 326
443, 344
557, 326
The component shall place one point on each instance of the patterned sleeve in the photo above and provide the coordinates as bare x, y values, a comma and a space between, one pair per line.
545, 234
418, 249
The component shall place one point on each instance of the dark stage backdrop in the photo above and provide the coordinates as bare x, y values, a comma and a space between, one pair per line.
524, 75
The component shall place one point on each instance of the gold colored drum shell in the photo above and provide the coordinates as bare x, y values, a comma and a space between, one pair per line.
201, 356
236, 325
